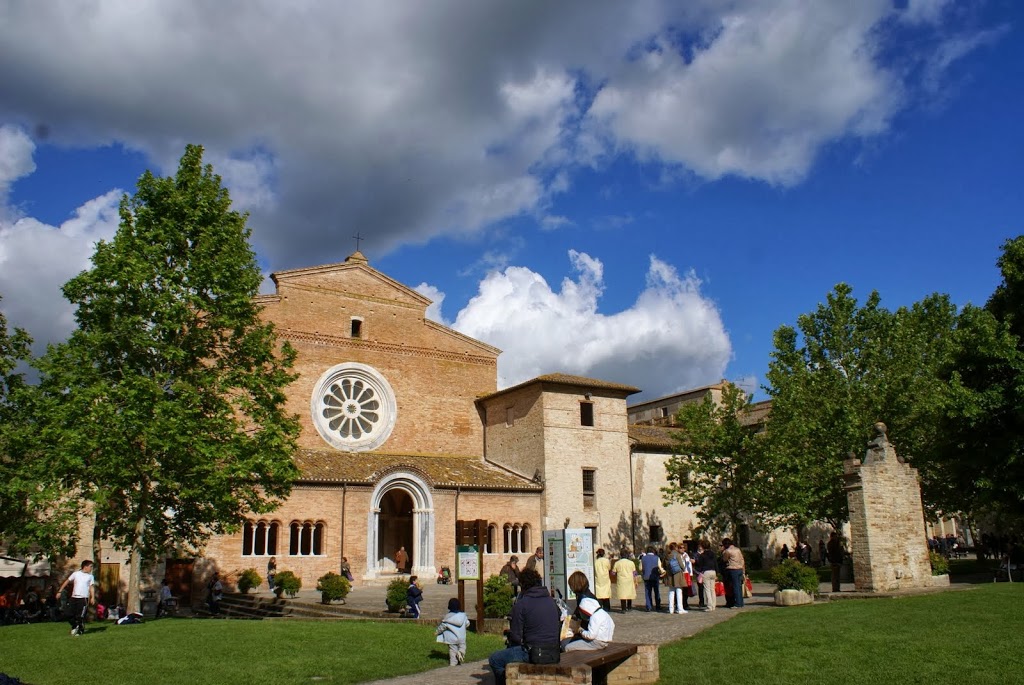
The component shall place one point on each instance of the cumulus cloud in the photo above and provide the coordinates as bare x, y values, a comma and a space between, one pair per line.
413, 120
16, 161
771, 84
36, 259
671, 338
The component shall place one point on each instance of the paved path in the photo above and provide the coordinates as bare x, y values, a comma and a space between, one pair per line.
636, 626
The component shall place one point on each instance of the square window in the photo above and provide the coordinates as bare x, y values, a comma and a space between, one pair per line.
357, 328
655, 533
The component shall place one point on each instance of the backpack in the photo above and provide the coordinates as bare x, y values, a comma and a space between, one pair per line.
673, 564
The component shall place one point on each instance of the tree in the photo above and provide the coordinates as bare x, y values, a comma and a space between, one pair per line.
843, 368
35, 514
165, 406
982, 448
717, 468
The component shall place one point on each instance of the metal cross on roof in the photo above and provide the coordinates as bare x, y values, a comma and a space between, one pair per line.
358, 238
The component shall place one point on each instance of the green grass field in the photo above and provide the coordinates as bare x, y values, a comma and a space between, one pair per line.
974, 635
225, 652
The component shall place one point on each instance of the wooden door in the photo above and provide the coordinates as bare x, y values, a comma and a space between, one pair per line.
179, 579
110, 584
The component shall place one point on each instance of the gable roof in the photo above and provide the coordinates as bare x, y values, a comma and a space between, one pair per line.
570, 380
354, 262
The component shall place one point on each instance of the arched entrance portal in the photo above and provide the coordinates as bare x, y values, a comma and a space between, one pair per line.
401, 515
394, 528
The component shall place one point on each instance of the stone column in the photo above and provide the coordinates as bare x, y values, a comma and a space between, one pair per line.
887, 526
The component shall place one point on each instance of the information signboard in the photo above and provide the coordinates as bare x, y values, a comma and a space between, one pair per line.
469, 562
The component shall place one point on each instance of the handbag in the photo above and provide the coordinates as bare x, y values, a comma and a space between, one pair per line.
719, 589
748, 588
545, 654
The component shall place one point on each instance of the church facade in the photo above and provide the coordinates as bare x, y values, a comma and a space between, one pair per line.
404, 432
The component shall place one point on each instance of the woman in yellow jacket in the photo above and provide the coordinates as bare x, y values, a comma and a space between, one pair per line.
625, 581
603, 580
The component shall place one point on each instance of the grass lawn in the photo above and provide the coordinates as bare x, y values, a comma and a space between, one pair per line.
974, 636
193, 652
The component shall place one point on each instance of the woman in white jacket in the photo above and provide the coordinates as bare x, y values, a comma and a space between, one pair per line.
599, 630
452, 632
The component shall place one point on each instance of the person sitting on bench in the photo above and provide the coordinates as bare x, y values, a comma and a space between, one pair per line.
598, 632
535, 624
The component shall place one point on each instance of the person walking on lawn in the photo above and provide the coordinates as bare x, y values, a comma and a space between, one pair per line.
83, 593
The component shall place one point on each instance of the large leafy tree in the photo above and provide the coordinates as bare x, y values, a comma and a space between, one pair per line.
982, 449
165, 406
717, 467
35, 513
844, 367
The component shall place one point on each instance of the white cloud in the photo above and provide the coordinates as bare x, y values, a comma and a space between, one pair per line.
671, 338
437, 300
412, 120
37, 259
16, 160
771, 84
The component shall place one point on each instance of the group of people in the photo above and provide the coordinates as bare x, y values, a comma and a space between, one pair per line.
30, 606
540, 628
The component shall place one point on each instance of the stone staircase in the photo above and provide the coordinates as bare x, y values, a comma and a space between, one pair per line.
255, 607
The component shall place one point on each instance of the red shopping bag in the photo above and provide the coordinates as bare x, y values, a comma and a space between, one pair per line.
719, 589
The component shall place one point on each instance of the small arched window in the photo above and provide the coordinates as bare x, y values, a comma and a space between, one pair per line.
492, 537
259, 538
307, 539
507, 529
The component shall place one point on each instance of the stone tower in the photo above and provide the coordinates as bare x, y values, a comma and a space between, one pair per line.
887, 529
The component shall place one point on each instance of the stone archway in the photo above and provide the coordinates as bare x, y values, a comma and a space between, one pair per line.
401, 515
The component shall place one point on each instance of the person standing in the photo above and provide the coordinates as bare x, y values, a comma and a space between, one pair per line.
678, 579
706, 568
835, 558
624, 571
215, 591
533, 561
165, 599
822, 553
536, 621
401, 559
346, 569
603, 580
83, 593
511, 573
650, 567
271, 572
452, 631
784, 553
734, 568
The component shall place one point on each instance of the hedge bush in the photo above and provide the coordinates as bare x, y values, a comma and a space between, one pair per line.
287, 582
497, 597
396, 594
792, 575
248, 580
940, 564
332, 586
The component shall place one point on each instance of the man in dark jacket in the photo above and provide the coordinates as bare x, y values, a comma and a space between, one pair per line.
535, 621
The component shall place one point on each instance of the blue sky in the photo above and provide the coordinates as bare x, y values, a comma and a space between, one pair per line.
641, 192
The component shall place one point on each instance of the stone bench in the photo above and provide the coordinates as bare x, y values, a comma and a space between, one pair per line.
617, 664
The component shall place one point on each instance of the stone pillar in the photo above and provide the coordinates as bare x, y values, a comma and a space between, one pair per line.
887, 526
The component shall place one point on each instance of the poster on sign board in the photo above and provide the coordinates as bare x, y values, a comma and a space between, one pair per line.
468, 567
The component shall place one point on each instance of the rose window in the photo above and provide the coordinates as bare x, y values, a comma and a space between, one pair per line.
353, 407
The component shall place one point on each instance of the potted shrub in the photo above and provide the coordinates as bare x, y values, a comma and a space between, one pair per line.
497, 597
287, 582
248, 580
795, 583
332, 586
395, 597
940, 565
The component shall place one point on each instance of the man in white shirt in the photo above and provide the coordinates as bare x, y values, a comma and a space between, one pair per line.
83, 593
600, 628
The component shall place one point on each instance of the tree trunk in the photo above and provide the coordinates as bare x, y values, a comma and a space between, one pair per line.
135, 567
97, 542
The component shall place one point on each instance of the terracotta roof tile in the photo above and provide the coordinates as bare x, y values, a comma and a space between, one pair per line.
653, 437
335, 466
567, 379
